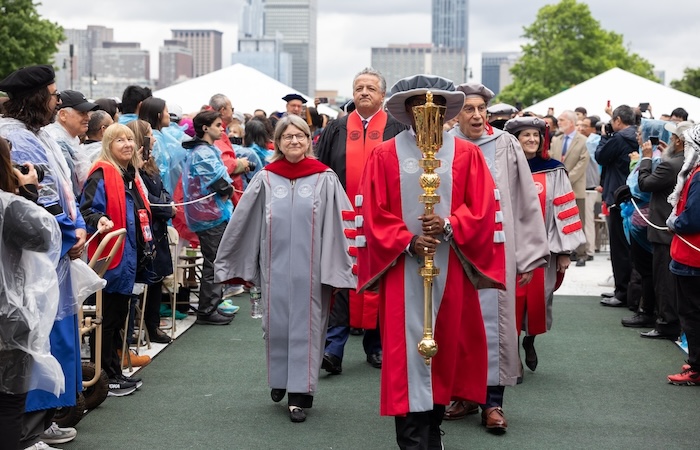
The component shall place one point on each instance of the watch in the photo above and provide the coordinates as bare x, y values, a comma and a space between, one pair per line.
447, 228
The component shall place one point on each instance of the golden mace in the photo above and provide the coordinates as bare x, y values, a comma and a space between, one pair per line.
429, 119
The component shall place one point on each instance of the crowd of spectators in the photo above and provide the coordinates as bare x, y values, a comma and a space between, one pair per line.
87, 167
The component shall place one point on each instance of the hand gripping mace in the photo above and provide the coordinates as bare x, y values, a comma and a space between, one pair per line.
428, 119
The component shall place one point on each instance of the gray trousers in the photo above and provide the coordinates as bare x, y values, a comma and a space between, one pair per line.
209, 292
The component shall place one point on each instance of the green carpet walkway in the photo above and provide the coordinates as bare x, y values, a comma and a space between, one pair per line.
598, 386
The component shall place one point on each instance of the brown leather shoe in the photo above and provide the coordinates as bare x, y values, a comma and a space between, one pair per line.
459, 409
494, 420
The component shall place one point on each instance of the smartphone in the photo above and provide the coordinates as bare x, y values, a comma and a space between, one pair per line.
608, 103
643, 107
146, 148
323, 99
654, 140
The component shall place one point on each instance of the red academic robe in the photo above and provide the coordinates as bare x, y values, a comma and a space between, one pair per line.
389, 208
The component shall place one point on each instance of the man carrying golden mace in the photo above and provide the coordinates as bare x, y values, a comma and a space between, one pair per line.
400, 244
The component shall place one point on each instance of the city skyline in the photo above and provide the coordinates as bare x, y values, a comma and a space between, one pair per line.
348, 31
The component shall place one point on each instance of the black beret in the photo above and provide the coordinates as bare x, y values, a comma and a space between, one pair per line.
290, 97
27, 79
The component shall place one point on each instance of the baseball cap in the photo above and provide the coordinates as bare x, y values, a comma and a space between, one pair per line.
77, 101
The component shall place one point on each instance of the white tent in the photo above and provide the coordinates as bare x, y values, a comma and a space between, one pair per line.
247, 88
620, 87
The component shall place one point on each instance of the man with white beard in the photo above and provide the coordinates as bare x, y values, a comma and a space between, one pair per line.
660, 181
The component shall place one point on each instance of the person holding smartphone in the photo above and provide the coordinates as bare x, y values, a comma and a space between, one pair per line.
160, 200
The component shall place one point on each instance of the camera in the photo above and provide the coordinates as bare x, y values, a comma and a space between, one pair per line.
251, 166
41, 170
609, 129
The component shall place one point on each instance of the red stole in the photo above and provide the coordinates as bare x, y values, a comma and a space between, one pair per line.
116, 206
359, 144
681, 251
531, 297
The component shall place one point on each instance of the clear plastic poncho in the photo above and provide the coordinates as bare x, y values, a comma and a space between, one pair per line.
169, 154
30, 248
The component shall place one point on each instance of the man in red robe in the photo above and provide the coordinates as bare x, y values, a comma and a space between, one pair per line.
393, 237
344, 146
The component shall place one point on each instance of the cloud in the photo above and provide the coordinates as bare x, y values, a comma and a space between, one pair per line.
348, 30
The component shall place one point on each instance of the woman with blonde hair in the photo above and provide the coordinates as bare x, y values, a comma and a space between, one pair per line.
114, 196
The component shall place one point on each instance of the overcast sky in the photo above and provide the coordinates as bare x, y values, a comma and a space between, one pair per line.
348, 29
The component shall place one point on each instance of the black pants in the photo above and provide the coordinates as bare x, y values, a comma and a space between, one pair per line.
420, 430
688, 289
11, 412
115, 309
642, 261
209, 292
665, 286
494, 396
619, 254
152, 313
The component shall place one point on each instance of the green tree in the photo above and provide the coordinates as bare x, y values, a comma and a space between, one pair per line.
567, 46
690, 83
25, 38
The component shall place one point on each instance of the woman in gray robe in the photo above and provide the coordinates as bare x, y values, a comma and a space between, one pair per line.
287, 235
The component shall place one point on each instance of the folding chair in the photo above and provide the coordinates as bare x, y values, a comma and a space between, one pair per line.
187, 269
94, 394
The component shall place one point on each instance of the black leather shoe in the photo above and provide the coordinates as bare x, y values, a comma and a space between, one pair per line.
580, 262
654, 334
213, 319
277, 395
607, 294
332, 364
612, 301
297, 414
589, 258
530, 353
159, 337
375, 360
638, 321
357, 331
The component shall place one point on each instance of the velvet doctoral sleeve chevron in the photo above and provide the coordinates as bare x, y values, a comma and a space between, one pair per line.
383, 235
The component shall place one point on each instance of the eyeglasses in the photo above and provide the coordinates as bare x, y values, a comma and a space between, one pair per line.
470, 110
290, 137
57, 94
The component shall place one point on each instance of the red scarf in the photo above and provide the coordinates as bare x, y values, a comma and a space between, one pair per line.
292, 171
357, 148
116, 206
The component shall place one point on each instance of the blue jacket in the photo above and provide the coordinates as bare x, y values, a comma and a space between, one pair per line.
204, 173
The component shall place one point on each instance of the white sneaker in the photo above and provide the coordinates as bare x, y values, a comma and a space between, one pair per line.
57, 435
41, 446
232, 291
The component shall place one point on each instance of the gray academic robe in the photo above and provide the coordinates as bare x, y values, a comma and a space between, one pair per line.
560, 240
287, 236
525, 244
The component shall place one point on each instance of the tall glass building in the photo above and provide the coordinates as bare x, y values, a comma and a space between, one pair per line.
451, 28
296, 21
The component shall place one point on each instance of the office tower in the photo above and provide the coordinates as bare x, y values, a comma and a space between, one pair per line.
450, 19
205, 46
175, 63
495, 69
83, 42
252, 19
398, 61
267, 55
296, 21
